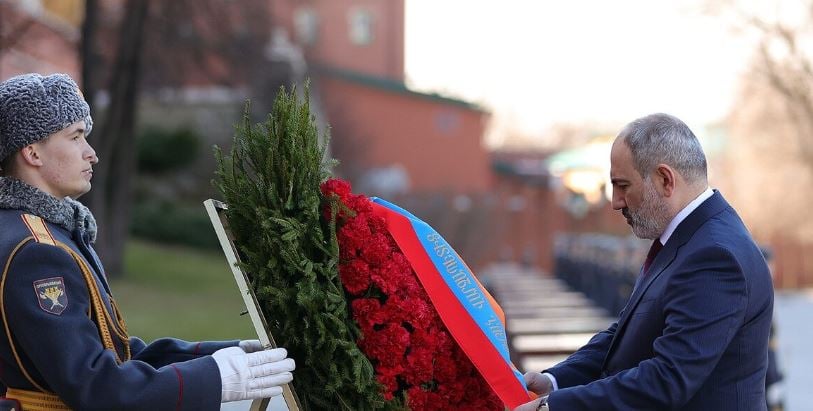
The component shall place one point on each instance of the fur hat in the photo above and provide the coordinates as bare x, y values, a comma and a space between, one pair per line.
33, 107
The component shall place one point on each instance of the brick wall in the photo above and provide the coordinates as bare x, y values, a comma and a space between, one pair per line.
437, 142
382, 56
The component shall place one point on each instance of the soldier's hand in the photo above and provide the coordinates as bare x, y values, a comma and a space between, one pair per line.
250, 345
538, 383
251, 376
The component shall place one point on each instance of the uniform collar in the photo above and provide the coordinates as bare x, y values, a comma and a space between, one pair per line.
66, 213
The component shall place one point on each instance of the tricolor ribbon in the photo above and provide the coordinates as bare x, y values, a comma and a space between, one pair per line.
468, 311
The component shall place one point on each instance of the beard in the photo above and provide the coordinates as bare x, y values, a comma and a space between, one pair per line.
651, 219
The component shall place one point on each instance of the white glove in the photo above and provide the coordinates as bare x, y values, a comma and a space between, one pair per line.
250, 345
251, 376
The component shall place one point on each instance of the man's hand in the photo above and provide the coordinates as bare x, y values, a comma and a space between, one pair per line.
251, 376
538, 383
250, 346
530, 405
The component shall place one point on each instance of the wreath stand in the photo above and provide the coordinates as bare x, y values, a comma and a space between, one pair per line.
216, 210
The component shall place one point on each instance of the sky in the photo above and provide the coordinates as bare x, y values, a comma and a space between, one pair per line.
537, 63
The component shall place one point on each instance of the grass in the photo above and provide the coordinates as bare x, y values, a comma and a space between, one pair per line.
175, 291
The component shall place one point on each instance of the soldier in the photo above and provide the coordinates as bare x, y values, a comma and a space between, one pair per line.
63, 342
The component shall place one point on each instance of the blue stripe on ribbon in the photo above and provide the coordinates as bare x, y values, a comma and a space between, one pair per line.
460, 280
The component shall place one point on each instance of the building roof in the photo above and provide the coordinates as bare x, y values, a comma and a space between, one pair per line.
395, 86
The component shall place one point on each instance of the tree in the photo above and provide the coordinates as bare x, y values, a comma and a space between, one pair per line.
784, 65
112, 194
160, 45
770, 127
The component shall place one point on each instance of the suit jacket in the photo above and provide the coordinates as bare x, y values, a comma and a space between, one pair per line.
50, 339
694, 333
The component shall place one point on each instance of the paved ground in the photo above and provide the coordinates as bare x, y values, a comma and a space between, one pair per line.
793, 312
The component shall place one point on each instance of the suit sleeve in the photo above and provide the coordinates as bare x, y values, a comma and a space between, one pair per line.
704, 306
165, 351
65, 352
584, 365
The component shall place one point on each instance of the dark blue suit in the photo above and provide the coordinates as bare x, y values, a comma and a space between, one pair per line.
694, 334
51, 341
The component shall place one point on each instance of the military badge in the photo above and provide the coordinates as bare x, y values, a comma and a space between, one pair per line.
51, 295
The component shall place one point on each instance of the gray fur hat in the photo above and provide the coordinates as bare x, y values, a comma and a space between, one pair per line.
33, 107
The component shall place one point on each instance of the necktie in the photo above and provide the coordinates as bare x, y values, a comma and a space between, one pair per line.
650, 256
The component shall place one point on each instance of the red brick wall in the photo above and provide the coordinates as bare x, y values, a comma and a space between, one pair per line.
791, 263
36, 47
515, 222
383, 57
528, 221
438, 143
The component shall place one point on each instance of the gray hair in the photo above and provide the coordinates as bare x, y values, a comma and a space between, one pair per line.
664, 139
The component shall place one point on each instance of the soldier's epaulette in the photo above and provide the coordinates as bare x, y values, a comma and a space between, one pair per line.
39, 230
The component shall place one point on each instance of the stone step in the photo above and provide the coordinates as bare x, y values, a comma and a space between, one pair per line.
555, 312
547, 320
539, 362
515, 281
518, 282
558, 325
538, 293
536, 344
543, 302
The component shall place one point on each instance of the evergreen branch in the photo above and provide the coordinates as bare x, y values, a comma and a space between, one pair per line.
289, 249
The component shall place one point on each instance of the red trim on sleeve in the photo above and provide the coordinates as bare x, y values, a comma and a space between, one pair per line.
197, 349
180, 387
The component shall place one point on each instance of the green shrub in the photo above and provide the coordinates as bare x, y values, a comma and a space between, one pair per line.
160, 150
173, 223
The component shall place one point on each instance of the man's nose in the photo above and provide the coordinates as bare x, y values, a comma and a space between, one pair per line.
618, 202
91, 155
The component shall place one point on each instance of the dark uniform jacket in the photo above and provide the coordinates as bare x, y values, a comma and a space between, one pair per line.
61, 331
694, 334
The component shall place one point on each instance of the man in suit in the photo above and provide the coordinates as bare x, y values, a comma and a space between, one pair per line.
694, 333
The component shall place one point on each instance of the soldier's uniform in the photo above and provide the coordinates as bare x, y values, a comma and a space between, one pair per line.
63, 343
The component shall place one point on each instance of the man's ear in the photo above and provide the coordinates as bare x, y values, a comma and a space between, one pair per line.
664, 179
30, 155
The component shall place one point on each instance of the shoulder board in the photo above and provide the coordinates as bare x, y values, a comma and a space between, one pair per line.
38, 229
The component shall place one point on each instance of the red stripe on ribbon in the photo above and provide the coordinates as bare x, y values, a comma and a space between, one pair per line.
475, 344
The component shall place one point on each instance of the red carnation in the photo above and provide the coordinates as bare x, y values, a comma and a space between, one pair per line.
420, 363
414, 356
336, 186
355, 276
368, 313
386, 345
445, 370
377, 249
